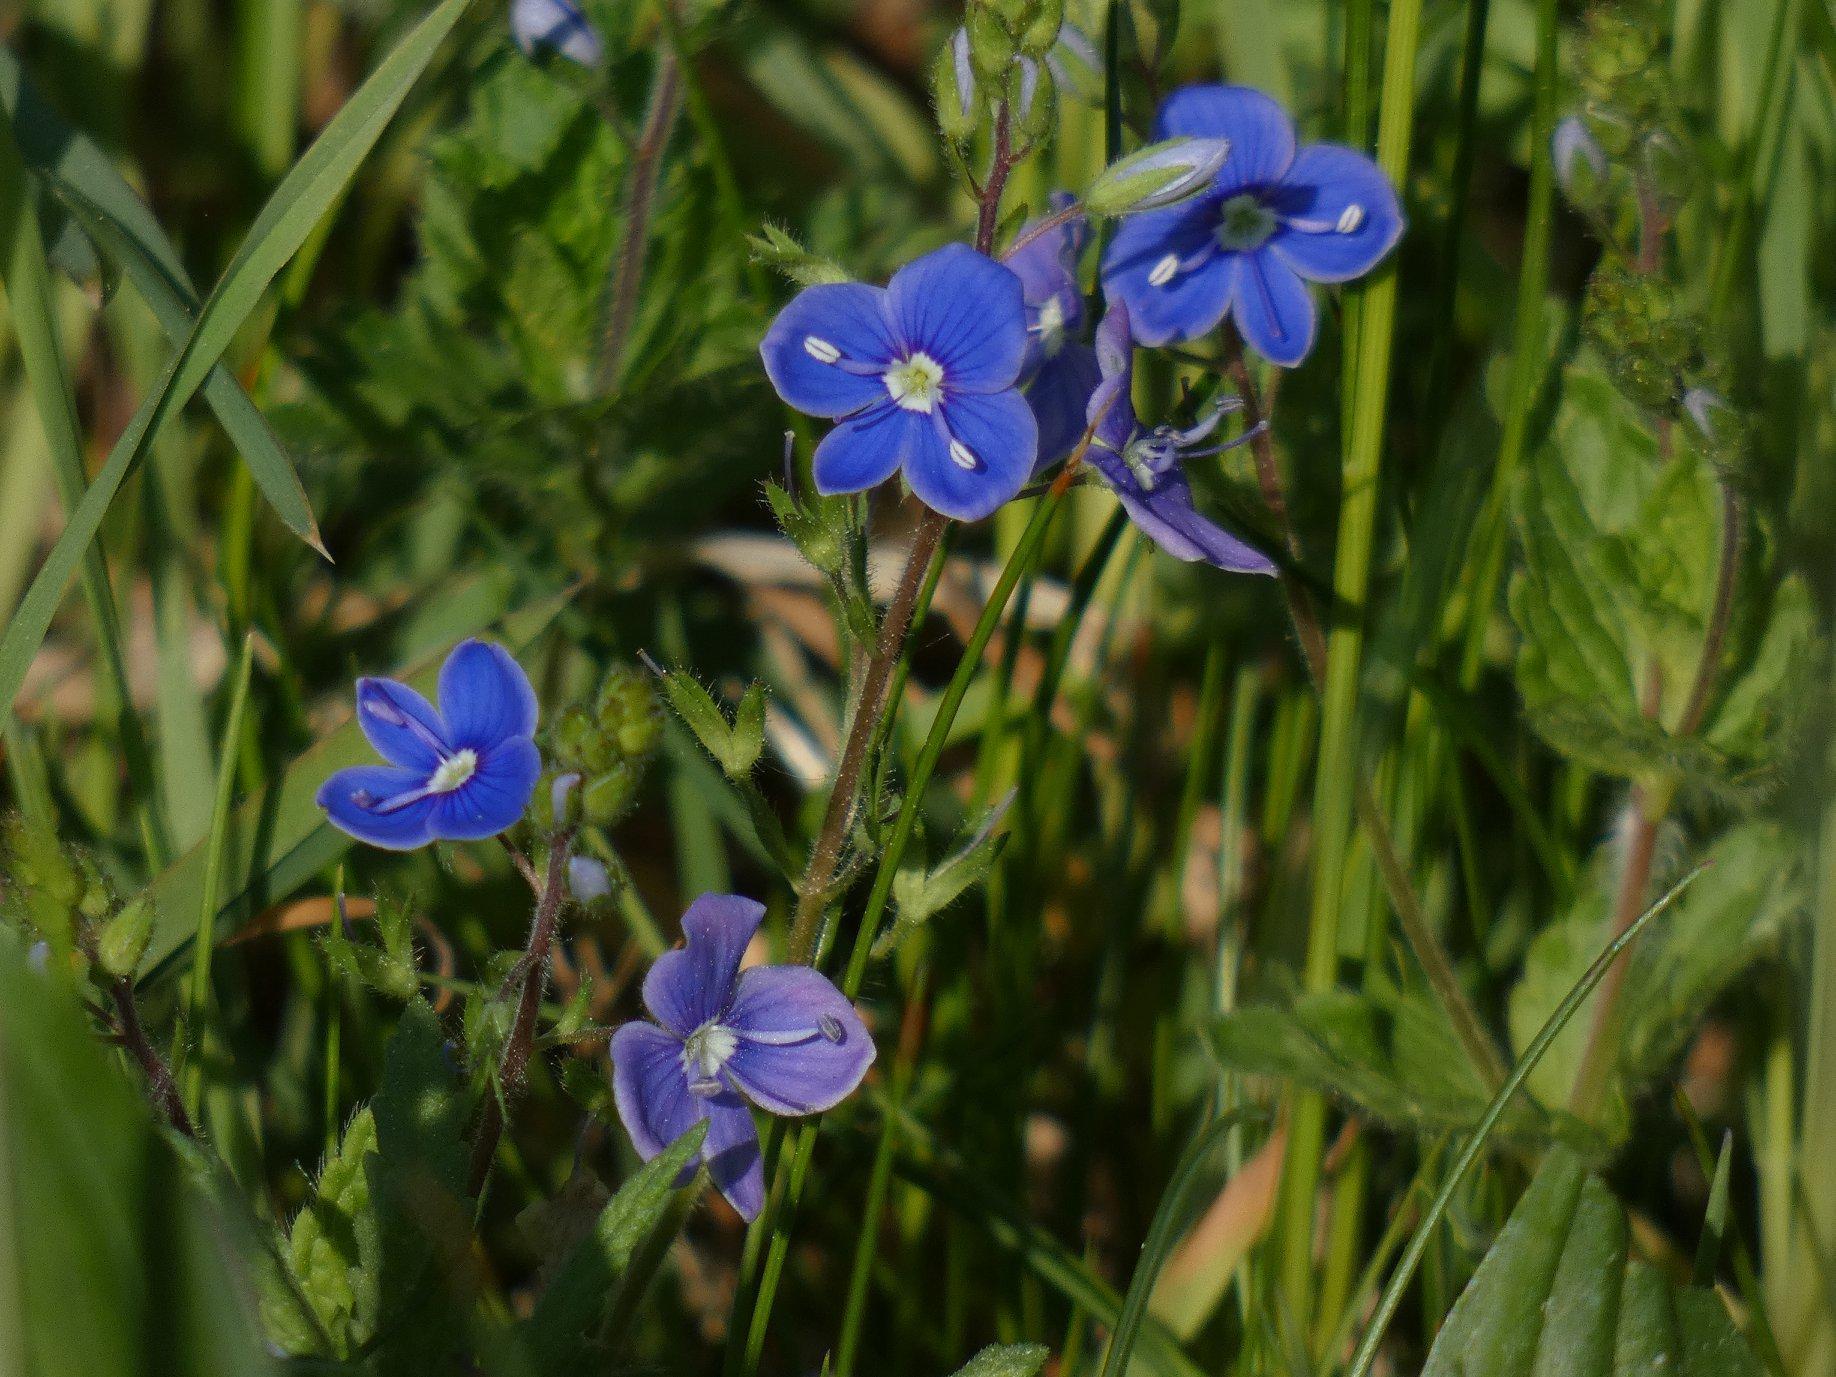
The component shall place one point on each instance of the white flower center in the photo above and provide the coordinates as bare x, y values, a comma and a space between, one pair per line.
1051, 326
454, 771
916, 383
704, 1052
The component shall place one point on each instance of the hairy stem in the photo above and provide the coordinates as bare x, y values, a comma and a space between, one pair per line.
646, 164
532, 970
133, 1036
1727, 574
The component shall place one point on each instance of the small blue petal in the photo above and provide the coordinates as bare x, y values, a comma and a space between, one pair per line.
976, 455
692, 985
401, 725
1111, 409
1340, 214
826, 350
650, 1088
485, 698
494, 798
866, 449
1168, 517
1166, 266
1059, 394
966, 311
351, 800
802, 1047
1272, 307
731, 1151
556, 24
1260, 133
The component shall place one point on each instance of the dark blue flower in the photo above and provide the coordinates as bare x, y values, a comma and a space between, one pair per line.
921, 375
558, 25
1273, 220
1061, 367
462, 773
1144, 468
781, 1037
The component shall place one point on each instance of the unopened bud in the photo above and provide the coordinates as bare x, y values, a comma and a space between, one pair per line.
1160, 175
588, 879
1041, 31
1035, 99
1580, 162
556, 26
124, 938
954, 85
991, 47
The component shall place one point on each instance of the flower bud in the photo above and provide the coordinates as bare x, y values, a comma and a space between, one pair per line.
959, 107
991, 47
1034, 96
587, 879
598, 753
1703, 406
124, 938
1014, 15
558, 26
1580, 161
1041, 31
1160, 175
1076, 64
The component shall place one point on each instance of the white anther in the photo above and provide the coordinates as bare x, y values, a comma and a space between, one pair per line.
1350, 218
1164, 270
831, 1027
963, 457
820, 349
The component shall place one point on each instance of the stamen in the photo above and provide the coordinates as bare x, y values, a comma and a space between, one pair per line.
1350, 218
963, 457
820, 349
1164, 270
831, 1027
706, 1086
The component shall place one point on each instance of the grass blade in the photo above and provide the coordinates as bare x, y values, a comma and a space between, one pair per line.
316, 182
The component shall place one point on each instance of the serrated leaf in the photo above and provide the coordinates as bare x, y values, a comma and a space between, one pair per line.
332, 1250
1557, 1292
1006, 1360
565, 1331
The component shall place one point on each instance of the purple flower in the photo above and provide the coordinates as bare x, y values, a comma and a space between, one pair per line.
781, 1037
558, 25
461, 773
921, 374
1061, 368
1273, 220
1145, 469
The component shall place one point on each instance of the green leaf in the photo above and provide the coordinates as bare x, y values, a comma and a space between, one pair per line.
1006, 1360
112, 1252
280, 838
1558, 1292
332, 1250
919, 892
735, 745
565, 1332
1621, 549
313, 186
103, 208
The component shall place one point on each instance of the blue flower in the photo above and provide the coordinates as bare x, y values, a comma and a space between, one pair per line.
921, 375
462, 773
1061, 368
1145, 469
781, 1037
1273, 220
558, 25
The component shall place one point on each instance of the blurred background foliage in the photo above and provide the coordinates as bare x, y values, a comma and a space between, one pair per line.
436, 363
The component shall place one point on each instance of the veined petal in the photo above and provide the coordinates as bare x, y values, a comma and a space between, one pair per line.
976, 455
966, 311
1059, 394
1167, 516
1339, 214
693, 984
1272, 307
494, 798
1047, 264
353, 799
401, 725
1260, 133
1166, 267
731, 1151
485, 697
865, 450
826, 350
651, 1089
557, 24
802, 1047
1111, 409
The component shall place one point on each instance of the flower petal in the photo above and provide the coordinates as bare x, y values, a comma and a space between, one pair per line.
1340, 214
401, 725
556, 24
1167, 516
485, 697
693, 984
1273, 309
1261, 134
731, 1151
1047, 268
1177, 300
976, 454
826, 350
651, 1089
965, 310
1111, 409
806, 1076
349, 799
1059, 394
494, 798
866, 450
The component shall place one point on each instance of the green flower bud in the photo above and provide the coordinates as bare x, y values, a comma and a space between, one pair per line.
123, 940
1162, 174
1034, 99
1041, 31
954, 89
991, 47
